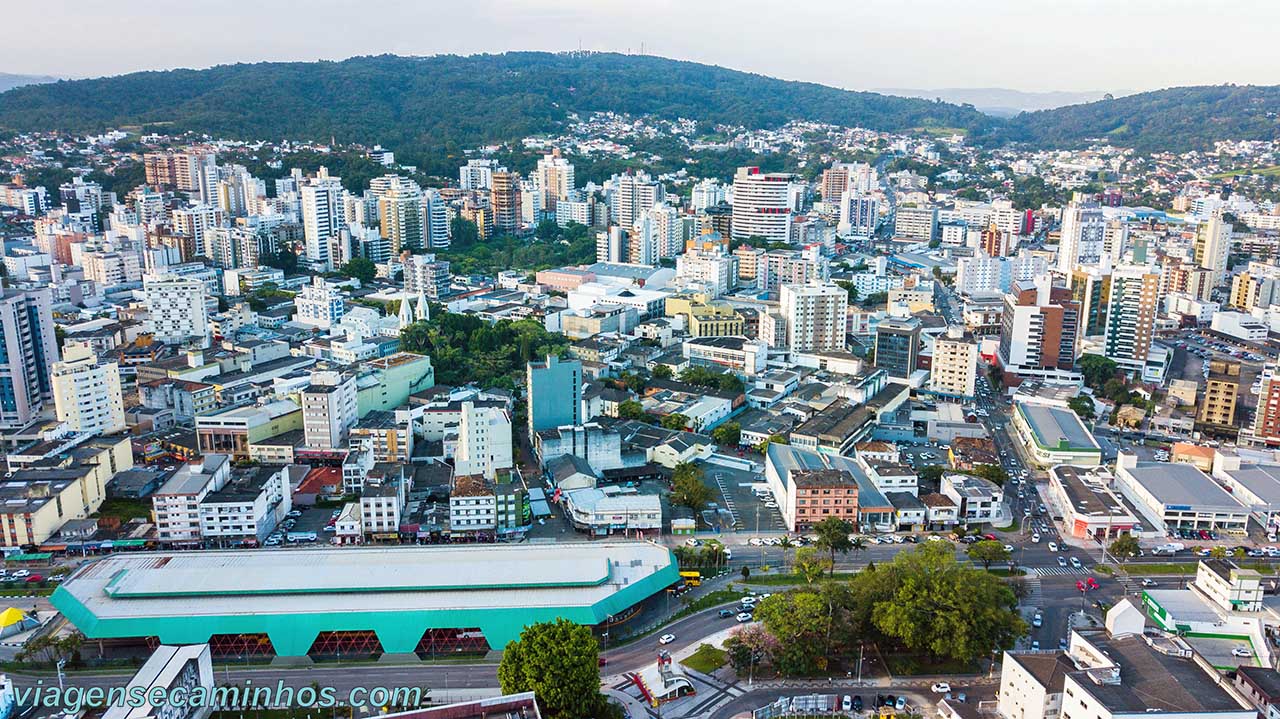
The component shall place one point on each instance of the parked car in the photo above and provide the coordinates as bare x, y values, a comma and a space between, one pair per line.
1241, 652
847, 704
744, 617
726, 613
940, 688
1037, 620
857, 702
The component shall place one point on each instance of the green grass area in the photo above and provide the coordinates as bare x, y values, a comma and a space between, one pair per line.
915, 665
1017, 522
937, 131
1103, 569
788, 580
1141, 569
1006, 572
706, 659
125, 509
1270, 170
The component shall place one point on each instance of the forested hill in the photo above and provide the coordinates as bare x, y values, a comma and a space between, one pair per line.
1177, 119
427, 107
417, 104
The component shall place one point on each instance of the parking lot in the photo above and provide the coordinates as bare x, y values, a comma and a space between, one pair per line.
749, 512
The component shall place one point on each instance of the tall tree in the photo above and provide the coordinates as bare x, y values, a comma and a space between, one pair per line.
987, 552
688, 489
558, 662
833, 536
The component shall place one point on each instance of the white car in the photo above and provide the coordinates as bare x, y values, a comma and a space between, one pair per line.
692, 542
1241, 652
1008, 548
20, 574
940, 688
666, 638
1075, 562
1053, 546
749, 601
744, 617
1035, 539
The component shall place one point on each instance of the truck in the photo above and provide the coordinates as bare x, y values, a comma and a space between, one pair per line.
1170, 548
295, 537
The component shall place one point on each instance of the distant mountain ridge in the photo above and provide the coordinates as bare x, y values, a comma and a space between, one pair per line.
8, 80
998, 101
429, 109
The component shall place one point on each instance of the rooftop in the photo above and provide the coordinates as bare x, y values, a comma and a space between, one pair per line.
1057, 429
194, 584
1184, 485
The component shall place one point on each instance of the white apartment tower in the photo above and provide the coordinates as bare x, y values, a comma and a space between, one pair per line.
319, 305
86, 393
553, 179
329, 410
478, 174
323, 214
761, 204
484, 441
435, 217
815, 316
634, 194
1212, 247
176, 311
1082, 237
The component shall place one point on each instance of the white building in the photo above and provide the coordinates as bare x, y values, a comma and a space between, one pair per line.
707, 193
319, 305
858, 214
473, 506
815, 316
761, 206
424, 274
329, 409
954, 370
86, 394
176, 311
478, 174
1240, 325
608, 510
176, 505
484, 441
323, 214
738, 355
1083, 237
248, 506
1179, 496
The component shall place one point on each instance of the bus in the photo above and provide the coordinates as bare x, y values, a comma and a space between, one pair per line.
691, 579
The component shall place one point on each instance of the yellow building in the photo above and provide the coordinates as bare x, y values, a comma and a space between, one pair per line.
1244, 292
1221, 388
53, 484
705, 317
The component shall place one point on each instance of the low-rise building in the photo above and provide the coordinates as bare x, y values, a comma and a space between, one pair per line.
246, 508
1053, 435
1178, 496
602, 511
473, 507
176, 505
977, 500
1088, 504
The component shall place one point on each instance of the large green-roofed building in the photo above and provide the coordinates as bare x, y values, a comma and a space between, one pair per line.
396, 600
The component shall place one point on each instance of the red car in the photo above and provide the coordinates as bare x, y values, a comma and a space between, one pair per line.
991, 537
34, 578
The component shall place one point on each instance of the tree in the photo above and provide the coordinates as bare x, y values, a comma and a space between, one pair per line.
286, 260
688, 489
362, 269
772, 439
1082, 405
800, 622
1096, 370
1218, 553
987, 551
750, 645
558, 662
1124, 547
463, 234
631, 409
810, 564
931, 473
675, 421
662, 371
833, 536
786, 544
746, 572
991, 473
927, 602
727, 434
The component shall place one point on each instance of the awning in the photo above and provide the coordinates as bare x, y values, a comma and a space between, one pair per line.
36, 557
130, 543
53, 547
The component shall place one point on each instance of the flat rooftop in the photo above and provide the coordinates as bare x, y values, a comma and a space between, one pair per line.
1182, 485
1056, 428
1263, 480
299, 581
1153, 681
1090, 494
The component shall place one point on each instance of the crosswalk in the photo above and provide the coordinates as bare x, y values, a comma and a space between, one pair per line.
1056, 571
1035, 594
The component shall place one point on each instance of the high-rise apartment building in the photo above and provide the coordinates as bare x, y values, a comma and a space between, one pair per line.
426, 275
176, 310
195, 222
633, 193
918, 223
1213, 246
954, 369
815, 316
319, 305
898, 346
329, 410
1039, 331
1082, 237
401, 216
478, 174
1091, 290
435, 217
707, 193
761, 204
504, 200
86, 393
554, 389
554, 179
484, 441
1131, 315
857, 214
27, 349
1221, 391
323, 215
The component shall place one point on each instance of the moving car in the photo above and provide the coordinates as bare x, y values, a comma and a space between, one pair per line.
1150, 583
726, 613
1037, 620
1053, 546
666, 638
1075, 562
1062, 561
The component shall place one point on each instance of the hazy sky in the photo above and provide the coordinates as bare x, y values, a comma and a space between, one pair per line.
1111, 45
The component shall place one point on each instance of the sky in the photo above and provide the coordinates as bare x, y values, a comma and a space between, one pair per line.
1033, 45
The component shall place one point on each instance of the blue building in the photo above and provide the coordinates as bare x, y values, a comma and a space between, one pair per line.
555, 393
